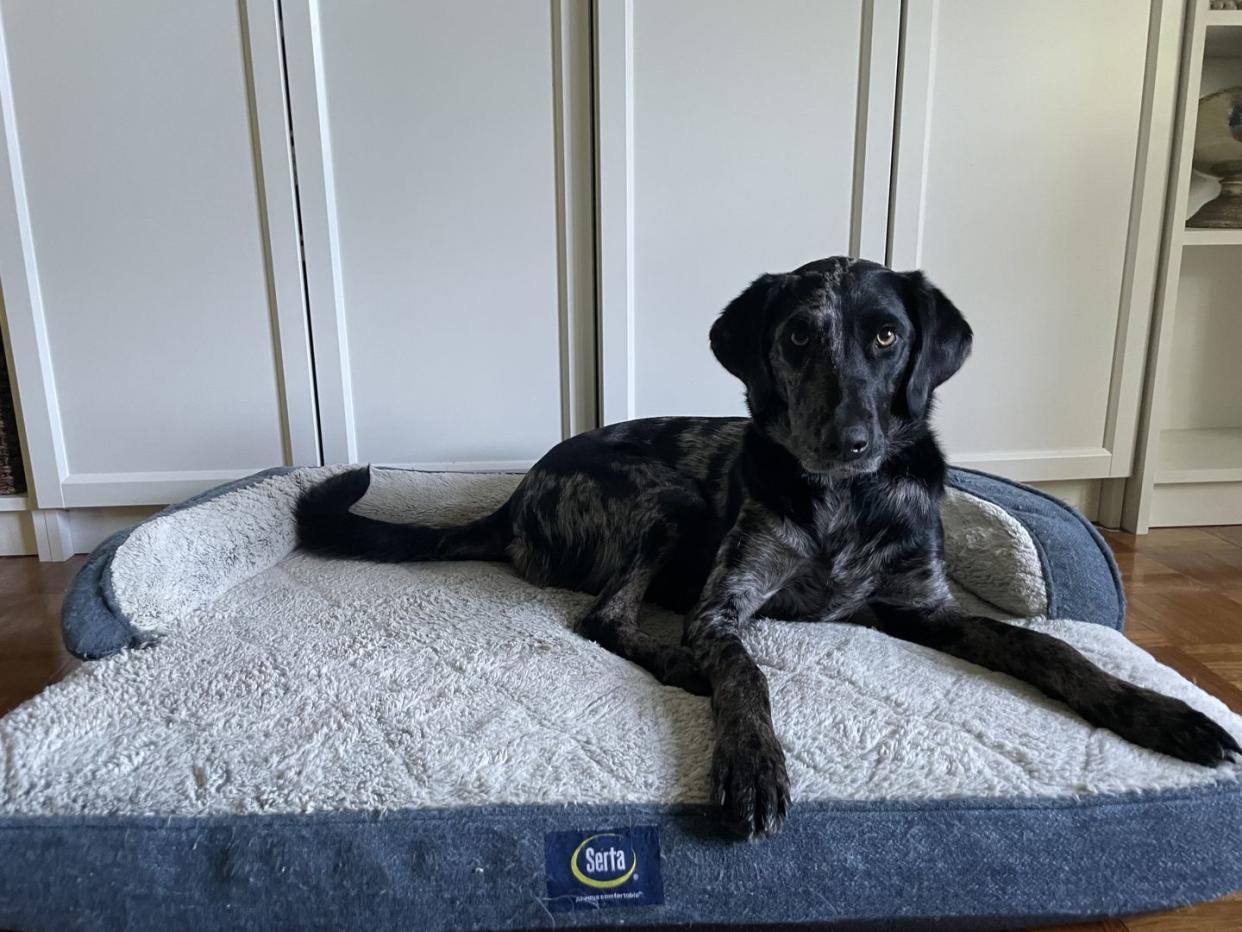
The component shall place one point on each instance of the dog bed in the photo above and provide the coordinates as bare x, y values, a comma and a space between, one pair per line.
313, 743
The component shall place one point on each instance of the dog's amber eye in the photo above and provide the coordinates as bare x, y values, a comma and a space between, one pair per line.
799, 335
886, 337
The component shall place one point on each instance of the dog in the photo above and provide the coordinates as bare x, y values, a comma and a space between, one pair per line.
824, 505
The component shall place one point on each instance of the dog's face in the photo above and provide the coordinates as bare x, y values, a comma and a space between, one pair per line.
840, 358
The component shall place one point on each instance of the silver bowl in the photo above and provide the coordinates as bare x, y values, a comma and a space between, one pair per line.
1218, 152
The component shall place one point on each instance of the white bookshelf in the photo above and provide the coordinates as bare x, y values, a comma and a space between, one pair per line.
1221, 41
1211, 238
13, 503
1188, 465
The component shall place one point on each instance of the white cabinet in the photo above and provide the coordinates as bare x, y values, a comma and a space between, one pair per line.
151, 355
1026, 188
448, 234
730, 144
437, 152
737, 138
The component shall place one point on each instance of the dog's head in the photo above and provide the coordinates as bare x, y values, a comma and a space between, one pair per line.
840, 358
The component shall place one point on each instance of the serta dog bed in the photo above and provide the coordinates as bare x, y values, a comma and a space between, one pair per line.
317, 743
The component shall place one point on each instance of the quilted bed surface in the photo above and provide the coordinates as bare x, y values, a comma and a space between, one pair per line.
317, 684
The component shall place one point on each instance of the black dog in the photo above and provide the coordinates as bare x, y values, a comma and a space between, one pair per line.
825, 502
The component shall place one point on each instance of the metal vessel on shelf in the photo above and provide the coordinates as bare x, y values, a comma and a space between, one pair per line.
1218, 152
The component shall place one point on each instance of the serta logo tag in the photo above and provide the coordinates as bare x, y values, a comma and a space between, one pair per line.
603, 861
594, 869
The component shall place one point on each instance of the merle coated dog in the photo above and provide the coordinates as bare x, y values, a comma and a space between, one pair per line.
824, 505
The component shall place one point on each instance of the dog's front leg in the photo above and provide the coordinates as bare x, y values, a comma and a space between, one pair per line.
748, 766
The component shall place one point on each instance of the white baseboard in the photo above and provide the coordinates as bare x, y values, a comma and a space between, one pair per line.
1196, 504
87, 528
1035, 466
88, 490
1083, 494
17, 534
90, 527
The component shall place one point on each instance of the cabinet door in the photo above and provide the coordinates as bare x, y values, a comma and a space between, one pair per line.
1026, 188
729, 146
152, 355
428, 140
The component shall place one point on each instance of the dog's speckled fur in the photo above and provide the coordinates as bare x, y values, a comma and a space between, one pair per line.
824, 503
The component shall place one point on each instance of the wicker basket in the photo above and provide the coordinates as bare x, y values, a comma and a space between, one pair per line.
12, 473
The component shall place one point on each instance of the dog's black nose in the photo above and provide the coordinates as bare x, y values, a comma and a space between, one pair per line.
853, 442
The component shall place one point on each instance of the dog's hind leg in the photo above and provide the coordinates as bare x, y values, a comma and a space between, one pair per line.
612, 622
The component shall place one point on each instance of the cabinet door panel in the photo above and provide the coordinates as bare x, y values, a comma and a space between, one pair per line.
135, 263
727, 150
432, 231
1015, 186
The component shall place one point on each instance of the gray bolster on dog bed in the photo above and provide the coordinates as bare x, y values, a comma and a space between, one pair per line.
314, 742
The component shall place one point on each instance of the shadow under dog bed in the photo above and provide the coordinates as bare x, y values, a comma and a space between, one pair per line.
322, 743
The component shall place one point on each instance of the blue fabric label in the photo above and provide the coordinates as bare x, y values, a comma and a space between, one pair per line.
610, 867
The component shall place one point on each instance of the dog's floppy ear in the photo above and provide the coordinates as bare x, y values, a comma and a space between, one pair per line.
737, 336
942, 345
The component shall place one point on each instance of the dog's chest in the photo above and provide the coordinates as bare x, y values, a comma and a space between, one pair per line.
851, 525
839, 536
839, 573
831, 585
845, 560
851, 546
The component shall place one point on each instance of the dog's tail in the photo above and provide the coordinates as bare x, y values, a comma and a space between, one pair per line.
327, 526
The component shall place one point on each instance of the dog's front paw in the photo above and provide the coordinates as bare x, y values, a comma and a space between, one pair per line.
749, 779
1169, 726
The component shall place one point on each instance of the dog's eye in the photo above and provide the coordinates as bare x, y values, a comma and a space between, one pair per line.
886, 337
799, 335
